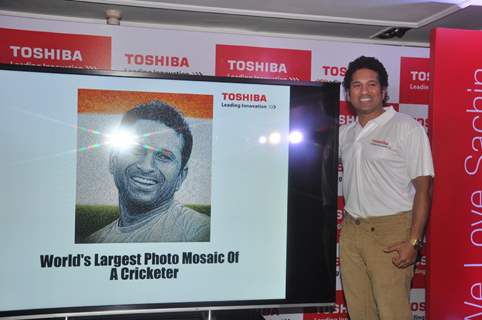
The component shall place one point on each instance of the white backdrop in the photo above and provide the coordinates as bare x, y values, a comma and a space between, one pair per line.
83, 45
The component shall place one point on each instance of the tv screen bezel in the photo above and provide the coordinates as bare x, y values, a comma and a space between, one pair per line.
183, 306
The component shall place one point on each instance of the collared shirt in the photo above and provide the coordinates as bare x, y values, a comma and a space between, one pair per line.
380, 160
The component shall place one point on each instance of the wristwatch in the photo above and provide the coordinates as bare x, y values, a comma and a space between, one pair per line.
416, 243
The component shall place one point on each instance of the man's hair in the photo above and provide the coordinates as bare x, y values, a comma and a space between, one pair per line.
166, 114
366, 63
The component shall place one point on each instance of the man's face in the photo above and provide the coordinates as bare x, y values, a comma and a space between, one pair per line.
365, 93
149, 173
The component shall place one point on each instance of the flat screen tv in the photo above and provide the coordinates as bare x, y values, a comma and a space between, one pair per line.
141, 191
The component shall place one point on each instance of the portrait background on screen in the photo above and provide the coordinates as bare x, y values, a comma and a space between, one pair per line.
99, 115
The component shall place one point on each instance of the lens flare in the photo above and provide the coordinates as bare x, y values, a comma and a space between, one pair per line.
295, 137
262, 140
121, 139
90, 131
90, 147
274, 138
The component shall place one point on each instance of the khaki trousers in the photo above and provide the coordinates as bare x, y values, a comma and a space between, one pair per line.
374, 288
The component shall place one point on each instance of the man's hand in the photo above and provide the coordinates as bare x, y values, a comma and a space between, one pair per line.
405, 255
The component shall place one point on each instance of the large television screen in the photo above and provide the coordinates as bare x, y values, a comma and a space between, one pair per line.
125, 191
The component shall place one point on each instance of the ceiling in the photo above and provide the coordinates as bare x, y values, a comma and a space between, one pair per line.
354, 20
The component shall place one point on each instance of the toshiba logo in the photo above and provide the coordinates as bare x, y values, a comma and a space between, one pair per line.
347, 114
259, 62
333, 71
420, 76
418, 306
338, 309
346, 119
257, 66
45, 53
244, 97
155, 60
49, 49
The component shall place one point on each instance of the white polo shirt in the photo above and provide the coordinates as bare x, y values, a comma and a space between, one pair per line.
379, 162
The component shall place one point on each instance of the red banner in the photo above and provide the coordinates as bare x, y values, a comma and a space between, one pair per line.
420, 271
256, 62
50, 49
414, 80
454, 256
347, 114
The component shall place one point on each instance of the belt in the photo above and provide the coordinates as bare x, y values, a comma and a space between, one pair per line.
377, 219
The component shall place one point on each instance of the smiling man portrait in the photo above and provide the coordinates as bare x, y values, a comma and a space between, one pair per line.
147, 172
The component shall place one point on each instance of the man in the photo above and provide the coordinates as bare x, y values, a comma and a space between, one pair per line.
147, 175
386, 184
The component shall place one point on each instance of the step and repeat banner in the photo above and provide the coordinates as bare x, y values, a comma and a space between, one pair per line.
98, 46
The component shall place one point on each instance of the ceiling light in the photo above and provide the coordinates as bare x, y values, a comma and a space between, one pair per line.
113, 16
392, 33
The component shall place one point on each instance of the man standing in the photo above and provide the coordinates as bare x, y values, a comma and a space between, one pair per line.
386, 184
147, 174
